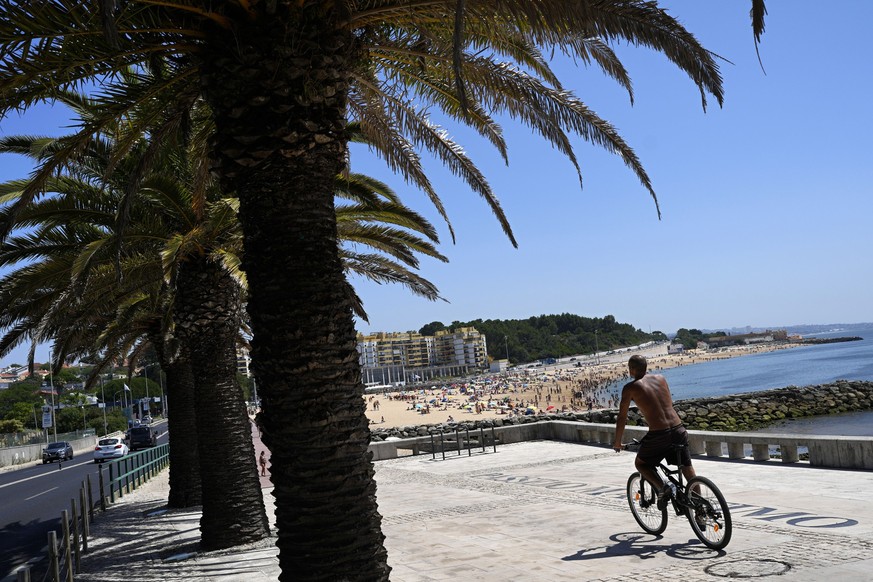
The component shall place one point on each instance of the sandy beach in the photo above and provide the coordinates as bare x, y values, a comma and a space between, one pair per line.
584, 384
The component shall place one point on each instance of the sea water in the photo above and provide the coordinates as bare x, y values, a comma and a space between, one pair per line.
801, 366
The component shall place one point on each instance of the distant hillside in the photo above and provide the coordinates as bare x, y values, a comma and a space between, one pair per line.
550, 336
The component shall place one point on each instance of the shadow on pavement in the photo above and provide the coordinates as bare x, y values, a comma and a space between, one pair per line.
640, 545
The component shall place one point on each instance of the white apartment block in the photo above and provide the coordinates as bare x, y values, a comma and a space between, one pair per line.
243, 362
460, 347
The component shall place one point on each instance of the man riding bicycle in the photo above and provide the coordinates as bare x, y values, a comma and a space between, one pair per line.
652, 396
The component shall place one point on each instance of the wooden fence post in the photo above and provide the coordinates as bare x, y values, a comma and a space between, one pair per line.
68, 556
84, 509
90, 499
102, 492
75, 531
54, 568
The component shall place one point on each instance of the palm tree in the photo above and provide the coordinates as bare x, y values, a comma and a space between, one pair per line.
206, 304
282, 79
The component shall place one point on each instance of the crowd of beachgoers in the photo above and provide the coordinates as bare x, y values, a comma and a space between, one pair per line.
570, 387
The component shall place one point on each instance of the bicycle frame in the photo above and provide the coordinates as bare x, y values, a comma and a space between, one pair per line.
698, 499
681, 497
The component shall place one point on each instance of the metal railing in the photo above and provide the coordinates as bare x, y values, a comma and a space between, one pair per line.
462, 440
129, 472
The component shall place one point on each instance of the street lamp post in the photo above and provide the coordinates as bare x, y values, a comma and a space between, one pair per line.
146, 372
52, 387
506, 342
164, 407
36, 423
103, 400
596, 347
123, 400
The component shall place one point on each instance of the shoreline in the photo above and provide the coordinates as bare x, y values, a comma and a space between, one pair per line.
567, 387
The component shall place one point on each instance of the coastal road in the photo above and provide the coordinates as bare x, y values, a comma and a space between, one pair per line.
33, 498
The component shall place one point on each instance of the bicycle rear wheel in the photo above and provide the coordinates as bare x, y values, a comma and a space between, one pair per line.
708, 513
643, 501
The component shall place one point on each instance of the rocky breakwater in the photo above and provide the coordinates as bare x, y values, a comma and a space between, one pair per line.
737, 412
752, 410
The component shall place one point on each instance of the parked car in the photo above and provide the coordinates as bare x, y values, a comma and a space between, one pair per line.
141, 436
109, 448
59, 451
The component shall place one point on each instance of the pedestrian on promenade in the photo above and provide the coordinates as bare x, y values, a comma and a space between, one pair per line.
262, 461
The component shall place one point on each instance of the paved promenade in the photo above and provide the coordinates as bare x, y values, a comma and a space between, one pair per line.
535, 512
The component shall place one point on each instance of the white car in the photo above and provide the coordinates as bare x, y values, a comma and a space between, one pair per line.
109, 448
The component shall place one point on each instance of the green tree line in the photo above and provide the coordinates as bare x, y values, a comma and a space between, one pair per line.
550, 336
21, 404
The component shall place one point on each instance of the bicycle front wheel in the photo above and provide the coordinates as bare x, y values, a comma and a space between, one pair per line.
708, 513
643, 501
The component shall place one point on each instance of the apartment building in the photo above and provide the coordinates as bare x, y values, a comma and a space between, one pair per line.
464, 346
461, 347
243, 362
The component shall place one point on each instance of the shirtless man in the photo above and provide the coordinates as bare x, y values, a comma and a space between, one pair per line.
652, 396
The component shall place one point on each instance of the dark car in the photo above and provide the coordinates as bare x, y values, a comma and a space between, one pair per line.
59, 451
140, 437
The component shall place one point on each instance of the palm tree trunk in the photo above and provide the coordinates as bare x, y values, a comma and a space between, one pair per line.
181, 424
280, 144
207, 315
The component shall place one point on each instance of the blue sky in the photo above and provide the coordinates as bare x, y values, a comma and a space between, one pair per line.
766, 202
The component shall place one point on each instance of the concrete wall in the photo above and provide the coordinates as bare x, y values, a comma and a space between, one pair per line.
30, 453
824, 451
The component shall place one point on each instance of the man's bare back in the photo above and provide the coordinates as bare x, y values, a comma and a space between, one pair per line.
652, 396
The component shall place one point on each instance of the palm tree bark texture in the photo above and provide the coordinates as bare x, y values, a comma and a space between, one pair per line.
278, 88
207, 318
185, 489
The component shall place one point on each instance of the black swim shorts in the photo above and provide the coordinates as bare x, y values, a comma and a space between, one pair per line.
656, 445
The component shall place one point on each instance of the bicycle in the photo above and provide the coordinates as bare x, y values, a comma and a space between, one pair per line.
700, 501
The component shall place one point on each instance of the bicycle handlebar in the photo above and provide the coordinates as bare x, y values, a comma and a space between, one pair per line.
631, 446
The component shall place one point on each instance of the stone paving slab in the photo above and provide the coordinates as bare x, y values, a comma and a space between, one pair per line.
539, 512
